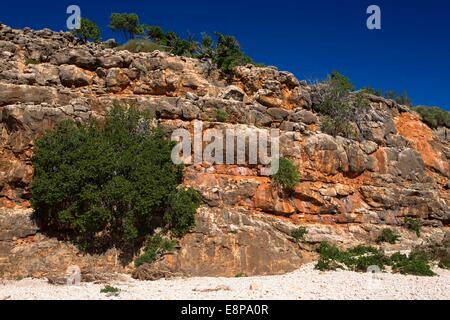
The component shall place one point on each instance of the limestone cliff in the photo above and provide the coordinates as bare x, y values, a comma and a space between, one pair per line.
349, 190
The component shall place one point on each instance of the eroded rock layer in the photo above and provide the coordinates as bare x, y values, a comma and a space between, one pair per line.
349, 190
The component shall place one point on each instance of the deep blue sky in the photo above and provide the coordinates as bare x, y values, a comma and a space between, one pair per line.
309, 38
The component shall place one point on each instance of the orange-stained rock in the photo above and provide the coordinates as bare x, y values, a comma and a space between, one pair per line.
421, 137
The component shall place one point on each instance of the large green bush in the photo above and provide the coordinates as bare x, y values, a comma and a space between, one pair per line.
109, 183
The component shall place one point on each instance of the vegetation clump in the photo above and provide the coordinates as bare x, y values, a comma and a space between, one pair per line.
110, 290
416, 263
88, 31
354, 259
361, 258
299, 234
221, 115
140, 45
154, 247
387, 235
127, 23
342, 111
434, 117
29, 61
287, 176
413, 225
109, 184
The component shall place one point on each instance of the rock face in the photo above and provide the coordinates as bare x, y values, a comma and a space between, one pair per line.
349, 190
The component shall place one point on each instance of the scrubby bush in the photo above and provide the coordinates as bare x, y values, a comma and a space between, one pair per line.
342, 111
180, 214
155, 245
362, 257
89, 31
439, 252
110, 290
29, 61
221, 115
387, 235
141, 45
228, 54
434, 117
299, 234
415, 264
413, 225
108, 184
287, 176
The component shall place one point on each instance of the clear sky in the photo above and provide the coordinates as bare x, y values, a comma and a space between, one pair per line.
309, 38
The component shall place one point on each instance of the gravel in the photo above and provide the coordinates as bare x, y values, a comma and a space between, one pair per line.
305, 283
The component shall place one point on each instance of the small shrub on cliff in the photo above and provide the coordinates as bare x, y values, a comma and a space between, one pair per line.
221, 115
413, 225
180, 214
434, 117
287, 176
356, 259
439, 252
387, 235
108, 184
299, 234
155, 245
342, 111
31, 61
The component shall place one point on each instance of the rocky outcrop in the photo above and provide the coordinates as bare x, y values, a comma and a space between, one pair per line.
349, 189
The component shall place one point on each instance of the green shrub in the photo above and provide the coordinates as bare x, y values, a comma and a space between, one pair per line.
356, 259
32, 61
339, 107
180, 215
141, 45
155, 245
241, 275
287, 176
415, 264
107, 184
110, 290
434, 117
387, 235
299, 234
403, 99
221, 115
413, 225
439, 252
89, 31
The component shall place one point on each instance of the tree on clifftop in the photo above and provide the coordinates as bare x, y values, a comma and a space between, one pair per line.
89, 31
127, 23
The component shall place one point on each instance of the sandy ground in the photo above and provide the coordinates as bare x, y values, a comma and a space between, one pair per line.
305, 283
